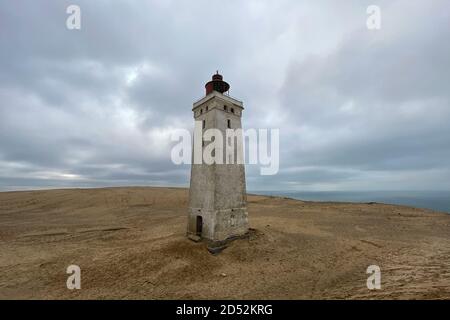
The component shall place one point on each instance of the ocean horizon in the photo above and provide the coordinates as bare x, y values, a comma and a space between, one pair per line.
433, 200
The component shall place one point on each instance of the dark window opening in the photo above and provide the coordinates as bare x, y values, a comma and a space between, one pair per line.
203, 124
232, 110
229, 123
199, 225
206, 108
225, 108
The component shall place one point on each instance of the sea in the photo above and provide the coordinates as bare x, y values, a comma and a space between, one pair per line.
434, 200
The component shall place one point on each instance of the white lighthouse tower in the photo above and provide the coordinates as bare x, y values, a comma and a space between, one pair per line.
217, 195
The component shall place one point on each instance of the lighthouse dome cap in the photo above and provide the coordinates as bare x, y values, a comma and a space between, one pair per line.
217, 84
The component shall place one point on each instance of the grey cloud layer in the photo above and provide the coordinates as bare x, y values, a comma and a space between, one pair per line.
357, 109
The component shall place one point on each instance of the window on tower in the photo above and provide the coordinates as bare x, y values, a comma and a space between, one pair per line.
229, 123
203, 124
206, 108
225, 108
232, 110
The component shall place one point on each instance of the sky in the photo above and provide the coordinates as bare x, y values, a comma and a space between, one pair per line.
357, 109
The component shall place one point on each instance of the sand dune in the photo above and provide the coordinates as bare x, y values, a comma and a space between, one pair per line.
130, 243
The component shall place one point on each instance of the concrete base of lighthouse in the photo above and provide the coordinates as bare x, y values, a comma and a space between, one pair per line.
217, 226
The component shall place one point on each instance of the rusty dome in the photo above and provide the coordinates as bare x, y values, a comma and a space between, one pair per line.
217, 84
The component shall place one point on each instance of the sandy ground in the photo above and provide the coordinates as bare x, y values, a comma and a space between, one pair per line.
130, 243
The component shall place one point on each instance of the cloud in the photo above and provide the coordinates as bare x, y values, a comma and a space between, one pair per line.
357, 109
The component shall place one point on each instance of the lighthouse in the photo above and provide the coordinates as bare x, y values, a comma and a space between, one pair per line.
217, 194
